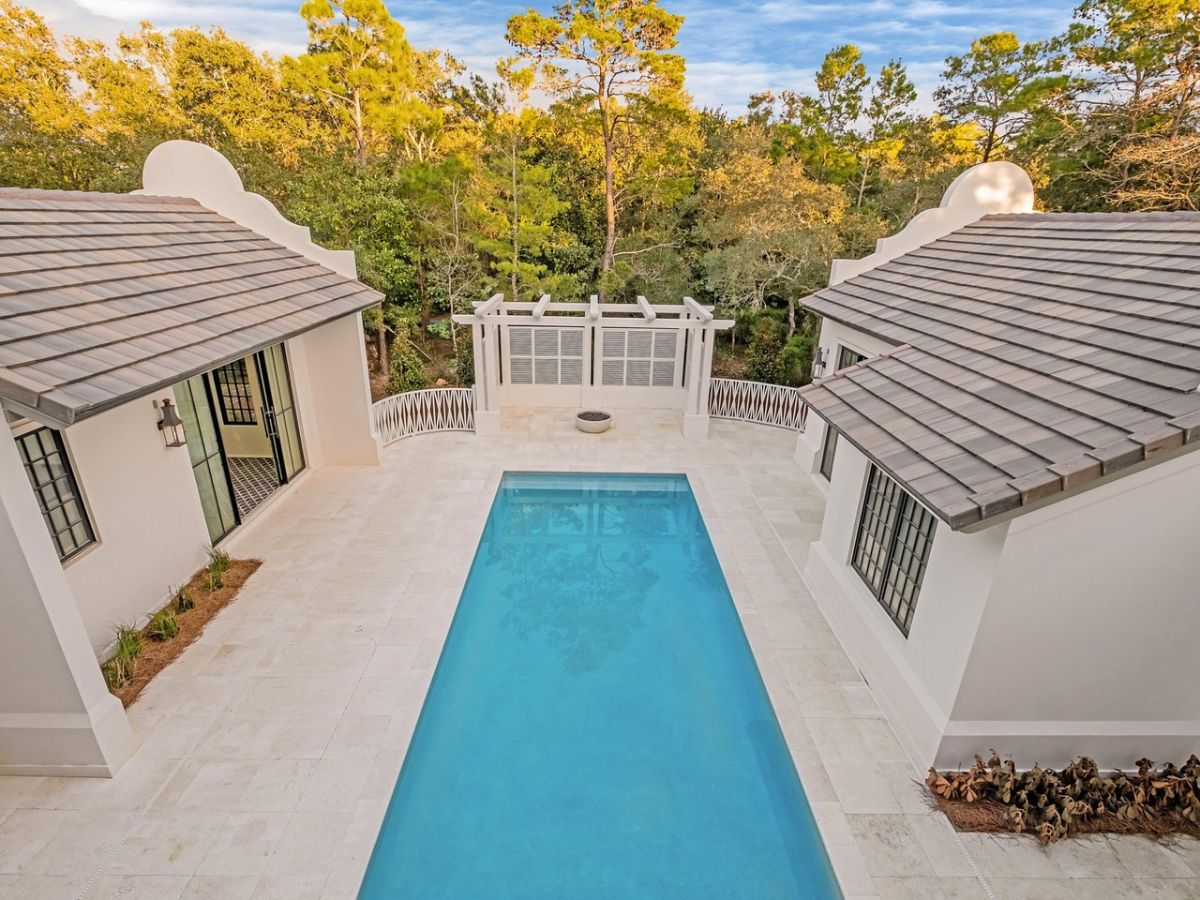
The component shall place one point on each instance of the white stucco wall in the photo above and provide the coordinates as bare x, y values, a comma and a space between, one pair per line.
56, 716
916, 678
333, 394
1069, 630
1088, 644
146, 511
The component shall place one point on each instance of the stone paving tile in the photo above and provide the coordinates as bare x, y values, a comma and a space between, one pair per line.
220, 887
273, 744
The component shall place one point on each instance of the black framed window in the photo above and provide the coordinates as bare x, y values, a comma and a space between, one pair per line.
845, 358
892, 546
45, 458
828, 449
234, 395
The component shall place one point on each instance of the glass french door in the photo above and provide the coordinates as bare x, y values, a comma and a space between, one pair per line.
194, 401
279, 411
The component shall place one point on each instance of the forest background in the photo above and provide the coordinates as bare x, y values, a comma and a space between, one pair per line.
583, 166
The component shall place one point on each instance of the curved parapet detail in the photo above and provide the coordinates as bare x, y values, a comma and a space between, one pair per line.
189, 169
985, 189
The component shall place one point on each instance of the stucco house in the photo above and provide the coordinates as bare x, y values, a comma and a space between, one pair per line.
1004, 429
192, 298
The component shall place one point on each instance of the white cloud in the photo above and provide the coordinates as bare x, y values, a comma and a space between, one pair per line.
733, 47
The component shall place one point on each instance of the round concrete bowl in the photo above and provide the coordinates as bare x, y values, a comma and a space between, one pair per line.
593, 421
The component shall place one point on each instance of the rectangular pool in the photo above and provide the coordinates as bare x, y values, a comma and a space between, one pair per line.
596, 726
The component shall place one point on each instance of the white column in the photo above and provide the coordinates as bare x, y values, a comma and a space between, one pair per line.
591, 393
333, 394
695, 415
487, 378
56, 716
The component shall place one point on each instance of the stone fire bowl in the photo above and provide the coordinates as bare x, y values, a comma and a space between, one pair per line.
593, 421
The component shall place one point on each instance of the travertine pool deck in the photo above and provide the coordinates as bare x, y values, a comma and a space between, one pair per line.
270, 748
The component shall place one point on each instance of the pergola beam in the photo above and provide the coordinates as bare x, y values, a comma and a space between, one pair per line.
697, 310
488, 305
607, 321
647, 310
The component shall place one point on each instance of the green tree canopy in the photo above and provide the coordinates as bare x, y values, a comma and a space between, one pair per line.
614, 55
1000, 82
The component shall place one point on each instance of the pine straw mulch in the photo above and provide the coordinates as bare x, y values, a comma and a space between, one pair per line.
157, 655
991, 816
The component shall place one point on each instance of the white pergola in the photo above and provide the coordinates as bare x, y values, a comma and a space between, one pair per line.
592, 356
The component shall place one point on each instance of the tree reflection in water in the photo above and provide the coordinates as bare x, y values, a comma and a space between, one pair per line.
577, 570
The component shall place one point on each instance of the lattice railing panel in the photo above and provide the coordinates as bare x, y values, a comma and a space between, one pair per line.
754, 401
420, 412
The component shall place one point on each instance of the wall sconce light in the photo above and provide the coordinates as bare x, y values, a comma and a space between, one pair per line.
171, 426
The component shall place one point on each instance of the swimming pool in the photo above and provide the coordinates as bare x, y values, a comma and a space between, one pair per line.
596, 726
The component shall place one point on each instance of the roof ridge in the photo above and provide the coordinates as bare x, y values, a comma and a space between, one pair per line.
94, 197
1156, 215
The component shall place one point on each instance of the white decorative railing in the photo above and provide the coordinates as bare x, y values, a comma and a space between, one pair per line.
420, 412
755, 401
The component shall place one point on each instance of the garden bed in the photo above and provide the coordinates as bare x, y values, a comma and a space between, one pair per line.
994, 796
992, 817
157, 652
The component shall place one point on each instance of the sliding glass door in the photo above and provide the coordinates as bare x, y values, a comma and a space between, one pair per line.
279, 411
239, 460
194, 401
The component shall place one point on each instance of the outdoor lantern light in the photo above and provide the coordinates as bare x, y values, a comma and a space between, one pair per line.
171, 426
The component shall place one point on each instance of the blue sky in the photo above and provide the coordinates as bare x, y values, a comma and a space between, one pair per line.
733, 48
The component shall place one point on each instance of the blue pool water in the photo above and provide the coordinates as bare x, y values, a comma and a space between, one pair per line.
597, 727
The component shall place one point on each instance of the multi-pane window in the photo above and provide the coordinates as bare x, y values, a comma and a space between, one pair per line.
891, 550
545, 355
234, 395
845, 358
49, 471
638, 357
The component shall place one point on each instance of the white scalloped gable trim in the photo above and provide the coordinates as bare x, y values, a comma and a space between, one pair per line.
189, 169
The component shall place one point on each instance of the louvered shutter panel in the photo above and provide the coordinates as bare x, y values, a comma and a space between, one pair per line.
613, 372
571, 371
638, 344
664, 345
572, 341
545, 342
520, 369
520, 341
637, 372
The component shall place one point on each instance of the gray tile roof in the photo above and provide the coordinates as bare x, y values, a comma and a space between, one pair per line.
1036, 354
107, 297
